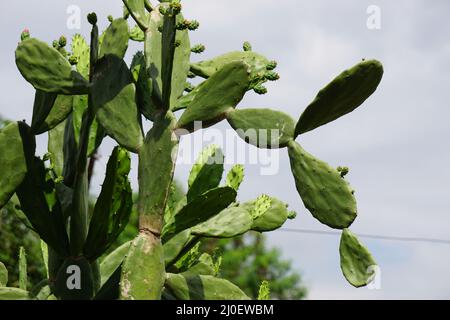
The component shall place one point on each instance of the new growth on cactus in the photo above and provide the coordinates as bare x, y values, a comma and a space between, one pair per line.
90, 92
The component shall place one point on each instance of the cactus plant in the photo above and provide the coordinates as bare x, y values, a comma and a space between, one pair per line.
90, 92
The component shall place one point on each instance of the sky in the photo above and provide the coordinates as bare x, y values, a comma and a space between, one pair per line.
394, 145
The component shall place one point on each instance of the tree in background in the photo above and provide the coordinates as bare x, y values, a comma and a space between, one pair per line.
247, 262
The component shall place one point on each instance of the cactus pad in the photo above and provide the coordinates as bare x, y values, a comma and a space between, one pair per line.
218, 95
194, 287
12, 156
324, 192
343, 95
264, 128
47, 70
356, 261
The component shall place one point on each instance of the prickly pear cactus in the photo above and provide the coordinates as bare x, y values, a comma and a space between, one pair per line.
88, 91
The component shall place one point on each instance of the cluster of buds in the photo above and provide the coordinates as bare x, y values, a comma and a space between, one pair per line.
247, 46
272, 65
192, 25
199, 48
260, 89
343, 170
272, 76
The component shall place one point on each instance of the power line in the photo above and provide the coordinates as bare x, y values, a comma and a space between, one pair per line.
369, 236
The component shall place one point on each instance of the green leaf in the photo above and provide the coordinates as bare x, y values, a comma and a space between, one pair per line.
3, 275
229, 223
115, 40
217, 96
113, 95
113, 261
12, 156
199, 210
324, 192
23, 274
113, 207
207, 172
357, 263
343, 95
203, 288
13, 294
143, 269
264, 128
47, 70
235, 176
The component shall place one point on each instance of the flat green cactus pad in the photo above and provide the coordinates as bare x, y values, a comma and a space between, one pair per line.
228, 223
13, 294
324, 192
113, 261
199, 287
47, 70
256, 62
216, 96
343, 95
357, 263
115, 39
264, 128
12, 156
143, 270
199, 210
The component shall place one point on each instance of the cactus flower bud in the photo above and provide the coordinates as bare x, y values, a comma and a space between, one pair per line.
92, 18
343, 170
260, 89
199, 48
176, 7
247, 46
292, 215
73, 60
55, 44
193, 25
272, 76
272, 65
110, 18
163, 10
62, 41
25, 34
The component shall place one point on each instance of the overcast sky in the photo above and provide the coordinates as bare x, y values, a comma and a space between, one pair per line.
395, 144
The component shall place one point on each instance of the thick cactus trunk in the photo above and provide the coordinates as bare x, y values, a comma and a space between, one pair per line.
144, 270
